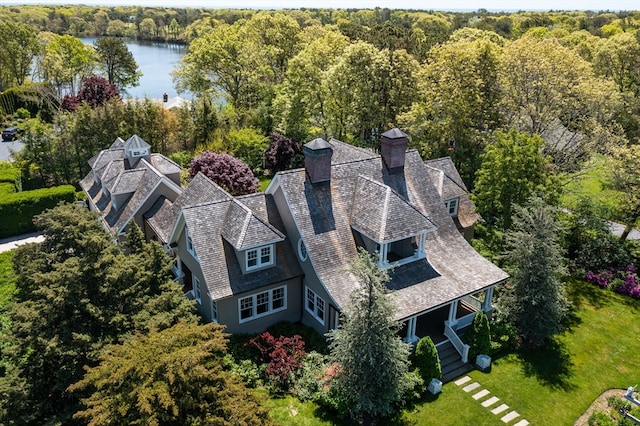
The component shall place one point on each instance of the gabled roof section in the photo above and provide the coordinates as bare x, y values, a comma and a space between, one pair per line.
343, 152
136, 142
164, 164
243, 230
383, 215
104, 157
127, 181
446, 178
117, 144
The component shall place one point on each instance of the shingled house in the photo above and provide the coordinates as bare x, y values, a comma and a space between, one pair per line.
253, 260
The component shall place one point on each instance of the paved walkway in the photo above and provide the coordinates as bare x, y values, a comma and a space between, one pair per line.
10, 243
491, 402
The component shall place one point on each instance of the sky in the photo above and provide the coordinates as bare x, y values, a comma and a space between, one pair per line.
448, 5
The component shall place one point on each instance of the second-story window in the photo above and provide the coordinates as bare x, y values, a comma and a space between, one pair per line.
190, 247
259, 257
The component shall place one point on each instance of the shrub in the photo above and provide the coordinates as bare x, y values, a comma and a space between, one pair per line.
247, 370
600, 418
283, 356
426, 360
478, 336
10, 174
624, 281
313, 341
18, 210
311, 380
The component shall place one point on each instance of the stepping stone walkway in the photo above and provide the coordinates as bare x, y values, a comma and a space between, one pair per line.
507, 416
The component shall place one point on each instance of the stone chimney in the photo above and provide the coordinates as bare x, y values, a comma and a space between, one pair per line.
393, 146
317, 160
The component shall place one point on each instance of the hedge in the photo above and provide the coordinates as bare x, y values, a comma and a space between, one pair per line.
17, 210
10, 174
7, 188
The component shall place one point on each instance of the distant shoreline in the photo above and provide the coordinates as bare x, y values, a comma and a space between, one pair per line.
310, 4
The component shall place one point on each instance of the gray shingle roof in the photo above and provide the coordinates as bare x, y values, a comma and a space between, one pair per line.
217, 258
117, 144
375, 210
165, 165
243, 230
323, 214
127, 181
447, 180
136, 142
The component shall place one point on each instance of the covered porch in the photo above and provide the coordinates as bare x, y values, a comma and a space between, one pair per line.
443, 324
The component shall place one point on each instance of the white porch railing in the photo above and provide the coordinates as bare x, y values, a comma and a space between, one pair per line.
461, 347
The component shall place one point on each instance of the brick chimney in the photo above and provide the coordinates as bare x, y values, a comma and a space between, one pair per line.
317, 160
393, 146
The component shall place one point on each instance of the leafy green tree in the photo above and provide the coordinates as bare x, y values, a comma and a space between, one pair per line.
513, 169
247, 145
77, 291
64, 62
458, 103
372, 359
170, 377
625, 177
117, 62
226, 61
535, 302
19, 48
550, 90
301, 100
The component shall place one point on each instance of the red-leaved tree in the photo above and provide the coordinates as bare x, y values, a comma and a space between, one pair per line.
230, 173
280, 151
283, 356
95, 91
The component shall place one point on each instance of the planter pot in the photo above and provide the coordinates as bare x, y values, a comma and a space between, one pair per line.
435, 386
483, 362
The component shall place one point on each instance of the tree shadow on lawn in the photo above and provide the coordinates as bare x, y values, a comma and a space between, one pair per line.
580, 292
551, 365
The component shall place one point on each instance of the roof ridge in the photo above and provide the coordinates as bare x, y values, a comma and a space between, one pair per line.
385, 210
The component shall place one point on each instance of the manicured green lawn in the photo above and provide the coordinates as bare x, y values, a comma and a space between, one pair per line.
591, 184
264, 182
553, 386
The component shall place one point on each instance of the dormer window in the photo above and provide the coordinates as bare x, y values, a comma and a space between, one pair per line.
259, 257
452, 206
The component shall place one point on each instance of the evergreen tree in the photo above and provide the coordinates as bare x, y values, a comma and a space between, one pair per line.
478, 336
373, 361
169, 377
426, 360
536, 303
77, 292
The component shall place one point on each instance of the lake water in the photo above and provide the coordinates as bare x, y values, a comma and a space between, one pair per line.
156, 61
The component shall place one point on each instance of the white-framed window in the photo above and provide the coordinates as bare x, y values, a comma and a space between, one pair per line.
261, 304
315, 305
302, 250
452, 206
196, 289
259, 257
190, 247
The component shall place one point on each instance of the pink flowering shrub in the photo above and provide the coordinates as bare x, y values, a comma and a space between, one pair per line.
624, 281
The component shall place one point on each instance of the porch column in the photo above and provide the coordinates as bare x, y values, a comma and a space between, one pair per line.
411, 330
486, 305
384, 247
453, 312
421, 244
